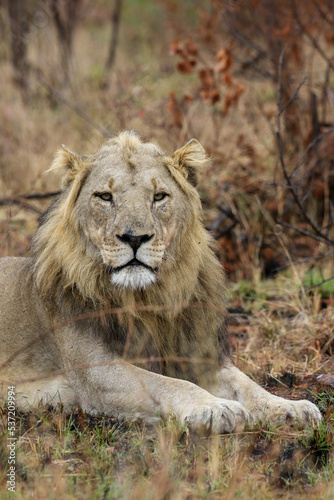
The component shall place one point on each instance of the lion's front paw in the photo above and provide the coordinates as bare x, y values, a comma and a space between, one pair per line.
218, 417
298, 414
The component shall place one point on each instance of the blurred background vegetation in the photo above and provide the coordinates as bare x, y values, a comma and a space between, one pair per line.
253, 81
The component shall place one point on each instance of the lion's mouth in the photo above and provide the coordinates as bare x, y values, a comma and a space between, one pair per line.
132, 263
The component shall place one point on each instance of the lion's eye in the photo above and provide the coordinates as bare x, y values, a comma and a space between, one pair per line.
159, 196
105, 196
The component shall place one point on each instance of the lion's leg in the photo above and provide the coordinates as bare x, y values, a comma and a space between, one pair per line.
235, 385
134, 394
52, 390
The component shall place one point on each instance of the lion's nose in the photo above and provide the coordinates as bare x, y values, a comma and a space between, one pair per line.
134, 241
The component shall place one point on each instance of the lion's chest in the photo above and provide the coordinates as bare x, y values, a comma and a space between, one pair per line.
162, 346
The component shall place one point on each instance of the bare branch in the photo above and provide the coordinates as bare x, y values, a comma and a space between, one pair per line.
302, 231
294, 97
321, 236
320, 283
19, 200
310, 146
305, 261
20, 203
40, 196
225, 230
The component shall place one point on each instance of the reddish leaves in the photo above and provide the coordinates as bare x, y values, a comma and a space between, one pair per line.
224, 60
187, 50
215, 80
209, 90
232, 97
176, 111
186, 66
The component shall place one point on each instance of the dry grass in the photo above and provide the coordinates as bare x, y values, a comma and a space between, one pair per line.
76, 455
277, 328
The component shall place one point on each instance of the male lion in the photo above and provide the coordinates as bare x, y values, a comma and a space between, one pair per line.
123, 269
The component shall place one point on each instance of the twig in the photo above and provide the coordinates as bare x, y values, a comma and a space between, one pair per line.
307, 150
19, 200
324, 15
302, 231
294, 97
260, 53
40, 196
224, 212
320, 283
20, 203
304, 261
225, 230
321, 235
228, 212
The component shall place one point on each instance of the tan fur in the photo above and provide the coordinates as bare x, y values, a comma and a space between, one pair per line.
122, 269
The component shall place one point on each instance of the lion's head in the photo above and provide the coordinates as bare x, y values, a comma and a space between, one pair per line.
126, 231
128, 222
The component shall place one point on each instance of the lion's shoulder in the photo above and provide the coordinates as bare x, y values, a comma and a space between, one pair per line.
15, 278
11, 267
22, 309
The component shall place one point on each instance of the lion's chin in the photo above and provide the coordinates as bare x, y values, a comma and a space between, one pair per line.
135, 278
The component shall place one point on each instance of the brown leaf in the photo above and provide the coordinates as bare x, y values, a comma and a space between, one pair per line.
176, 111
210, 96
207, 78
224, 59
175, 48
188, 99
227, 78
191, 47
239, 90
186, 66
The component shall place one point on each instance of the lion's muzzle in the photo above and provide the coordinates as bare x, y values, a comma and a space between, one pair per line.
136, 269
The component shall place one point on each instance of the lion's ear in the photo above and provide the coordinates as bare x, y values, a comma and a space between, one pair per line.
69, 163
190, 159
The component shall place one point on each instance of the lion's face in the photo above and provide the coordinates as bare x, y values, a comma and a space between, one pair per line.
131, 208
